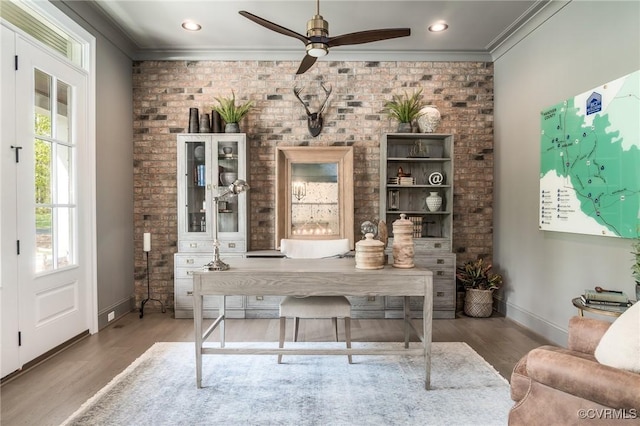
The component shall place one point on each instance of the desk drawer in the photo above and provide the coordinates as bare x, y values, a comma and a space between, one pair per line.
263, 302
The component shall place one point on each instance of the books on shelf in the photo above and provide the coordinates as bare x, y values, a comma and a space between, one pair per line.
611, 298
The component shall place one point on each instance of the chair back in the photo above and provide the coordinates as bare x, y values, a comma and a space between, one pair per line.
314, 249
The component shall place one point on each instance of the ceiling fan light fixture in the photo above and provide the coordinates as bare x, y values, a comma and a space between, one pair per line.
438, 27
317, 50
191, 26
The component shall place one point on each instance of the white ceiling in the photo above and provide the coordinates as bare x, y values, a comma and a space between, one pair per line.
476, 27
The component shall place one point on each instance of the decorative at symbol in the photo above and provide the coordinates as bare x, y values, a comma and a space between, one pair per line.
436, 178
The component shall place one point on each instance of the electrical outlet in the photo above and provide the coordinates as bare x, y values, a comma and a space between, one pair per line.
111, 316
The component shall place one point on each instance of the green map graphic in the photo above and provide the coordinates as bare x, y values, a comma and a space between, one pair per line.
590, 162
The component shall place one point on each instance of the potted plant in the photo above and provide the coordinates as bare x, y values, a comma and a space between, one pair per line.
479, 282
232, 113
635, 267
405, 108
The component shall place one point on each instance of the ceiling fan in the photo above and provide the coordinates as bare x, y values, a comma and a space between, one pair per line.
317, 40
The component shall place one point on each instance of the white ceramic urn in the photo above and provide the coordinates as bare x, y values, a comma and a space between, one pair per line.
429, 119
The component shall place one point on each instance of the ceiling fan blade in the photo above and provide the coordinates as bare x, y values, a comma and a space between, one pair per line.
273, 27
368, 36
307, 62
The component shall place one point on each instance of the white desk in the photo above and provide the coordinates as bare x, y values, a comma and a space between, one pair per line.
304, 277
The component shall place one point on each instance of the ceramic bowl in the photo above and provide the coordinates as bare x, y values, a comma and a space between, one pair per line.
227, 178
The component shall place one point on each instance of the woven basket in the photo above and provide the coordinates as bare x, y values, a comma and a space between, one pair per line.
478, 303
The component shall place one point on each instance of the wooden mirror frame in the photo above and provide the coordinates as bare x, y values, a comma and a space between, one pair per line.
288, 155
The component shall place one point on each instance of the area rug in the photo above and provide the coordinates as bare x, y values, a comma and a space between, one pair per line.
159, 388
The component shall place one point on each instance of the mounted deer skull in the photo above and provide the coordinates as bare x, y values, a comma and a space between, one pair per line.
314, 119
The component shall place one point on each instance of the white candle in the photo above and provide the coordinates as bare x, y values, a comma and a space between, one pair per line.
147, 242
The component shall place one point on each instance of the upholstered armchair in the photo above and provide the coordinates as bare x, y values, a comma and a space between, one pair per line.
553, 385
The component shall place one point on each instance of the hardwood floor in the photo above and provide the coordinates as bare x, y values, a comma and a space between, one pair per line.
48, 393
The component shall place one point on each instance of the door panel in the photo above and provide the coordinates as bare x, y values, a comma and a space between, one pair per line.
49, 284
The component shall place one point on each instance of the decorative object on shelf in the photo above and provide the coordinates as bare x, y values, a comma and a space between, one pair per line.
405, 109
635, 268
394, 199
434, 202
146, 247
479, 282
199, 152
436, 178
428, 119
205, 124
216, 122
237, 187
314, 119
227, 150
232, 113
403, 249
369, 253
227, 178
194, 121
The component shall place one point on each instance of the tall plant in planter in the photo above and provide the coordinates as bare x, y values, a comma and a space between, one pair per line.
479, 282
232, 113
405, 108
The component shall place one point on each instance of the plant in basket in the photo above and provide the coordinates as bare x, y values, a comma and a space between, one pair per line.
479, 282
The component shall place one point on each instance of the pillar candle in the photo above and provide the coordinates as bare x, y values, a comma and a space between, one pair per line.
147, 242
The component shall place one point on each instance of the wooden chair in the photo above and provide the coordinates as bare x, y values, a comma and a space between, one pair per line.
296, 307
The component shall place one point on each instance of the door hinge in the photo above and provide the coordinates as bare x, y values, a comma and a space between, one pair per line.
16, 62
18, 246
19, 338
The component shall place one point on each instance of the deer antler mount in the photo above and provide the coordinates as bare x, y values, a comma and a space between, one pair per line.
314, 119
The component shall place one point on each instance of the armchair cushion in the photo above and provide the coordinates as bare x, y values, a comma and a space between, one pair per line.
620, 344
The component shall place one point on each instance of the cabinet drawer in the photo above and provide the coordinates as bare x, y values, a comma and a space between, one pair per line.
397, 302
432, 244
263, 302
200, 246
192, 261
366, 302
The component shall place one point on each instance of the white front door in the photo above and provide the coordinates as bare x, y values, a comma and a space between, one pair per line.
51, 224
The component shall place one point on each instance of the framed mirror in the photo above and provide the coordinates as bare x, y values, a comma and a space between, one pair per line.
314, 193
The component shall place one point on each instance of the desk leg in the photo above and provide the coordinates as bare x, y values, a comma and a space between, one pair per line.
197, 323
407, 318
222, 313
427, 315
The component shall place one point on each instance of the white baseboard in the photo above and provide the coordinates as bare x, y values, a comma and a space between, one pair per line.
533, 322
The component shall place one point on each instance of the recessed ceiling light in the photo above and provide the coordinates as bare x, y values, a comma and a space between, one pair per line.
191, 26
438, 27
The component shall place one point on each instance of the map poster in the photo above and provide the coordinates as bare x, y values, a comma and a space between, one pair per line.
590, 161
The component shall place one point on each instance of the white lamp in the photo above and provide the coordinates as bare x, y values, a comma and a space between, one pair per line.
235, 188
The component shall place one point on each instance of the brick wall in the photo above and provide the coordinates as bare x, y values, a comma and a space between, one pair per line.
165, 90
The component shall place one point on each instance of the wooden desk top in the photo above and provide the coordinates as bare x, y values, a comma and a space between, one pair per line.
311, 277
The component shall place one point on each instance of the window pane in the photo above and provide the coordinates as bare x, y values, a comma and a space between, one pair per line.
42, 103
64, 178
44, 252
63, 113
63, 236
43, 172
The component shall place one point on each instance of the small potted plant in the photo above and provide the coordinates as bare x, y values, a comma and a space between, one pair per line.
635, 267
232, 113
405, 108
479, 282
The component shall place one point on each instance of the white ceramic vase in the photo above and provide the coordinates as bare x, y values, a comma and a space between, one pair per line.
434, 202
429, 119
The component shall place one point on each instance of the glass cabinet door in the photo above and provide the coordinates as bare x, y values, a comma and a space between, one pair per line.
229, 170
195, 187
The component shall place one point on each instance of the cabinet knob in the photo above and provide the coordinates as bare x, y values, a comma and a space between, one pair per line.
440, 273
193, 245
231, 245
189, 272
189, 292
437, 245
190, 261
440, 261
439, 293
259, 297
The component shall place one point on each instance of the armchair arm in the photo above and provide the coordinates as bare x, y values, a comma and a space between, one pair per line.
585, 334
584, 378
